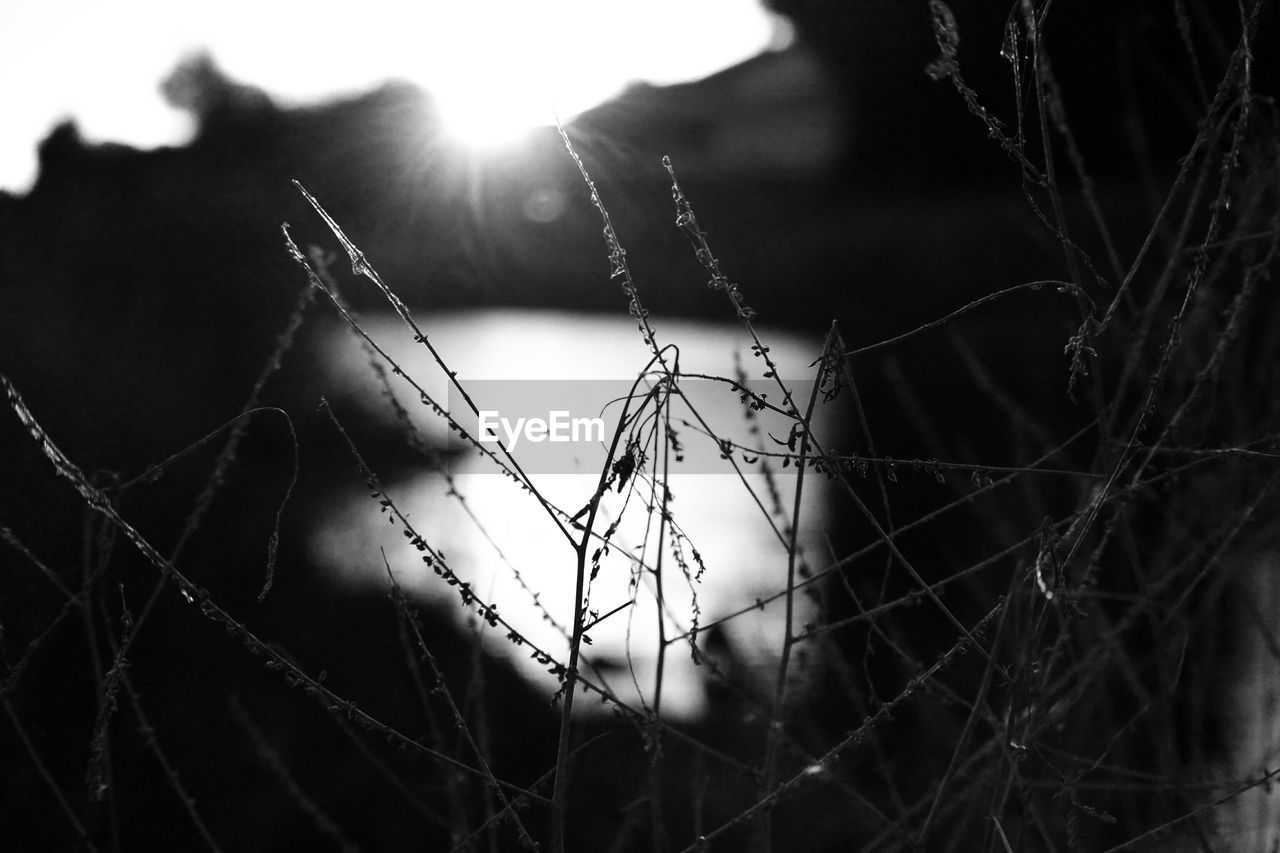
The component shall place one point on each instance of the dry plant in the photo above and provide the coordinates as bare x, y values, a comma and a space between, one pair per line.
1045, 650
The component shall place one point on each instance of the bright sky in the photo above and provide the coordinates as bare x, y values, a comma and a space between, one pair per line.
496, 66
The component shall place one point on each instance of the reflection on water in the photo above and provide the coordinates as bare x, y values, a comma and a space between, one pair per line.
725, 539
1250, 701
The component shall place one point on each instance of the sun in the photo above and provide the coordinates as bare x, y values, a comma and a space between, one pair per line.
500, 68
496, 92
497, 69
489, 118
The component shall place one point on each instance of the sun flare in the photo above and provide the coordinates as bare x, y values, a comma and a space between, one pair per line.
501, 67
496, 68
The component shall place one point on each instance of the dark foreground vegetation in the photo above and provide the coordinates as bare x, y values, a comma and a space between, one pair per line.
1041, 248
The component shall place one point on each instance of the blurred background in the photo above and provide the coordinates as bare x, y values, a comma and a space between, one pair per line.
830, 154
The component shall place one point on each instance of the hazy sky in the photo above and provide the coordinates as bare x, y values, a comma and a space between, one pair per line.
494, 65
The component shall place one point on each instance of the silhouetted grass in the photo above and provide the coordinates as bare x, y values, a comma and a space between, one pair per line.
1041, 650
